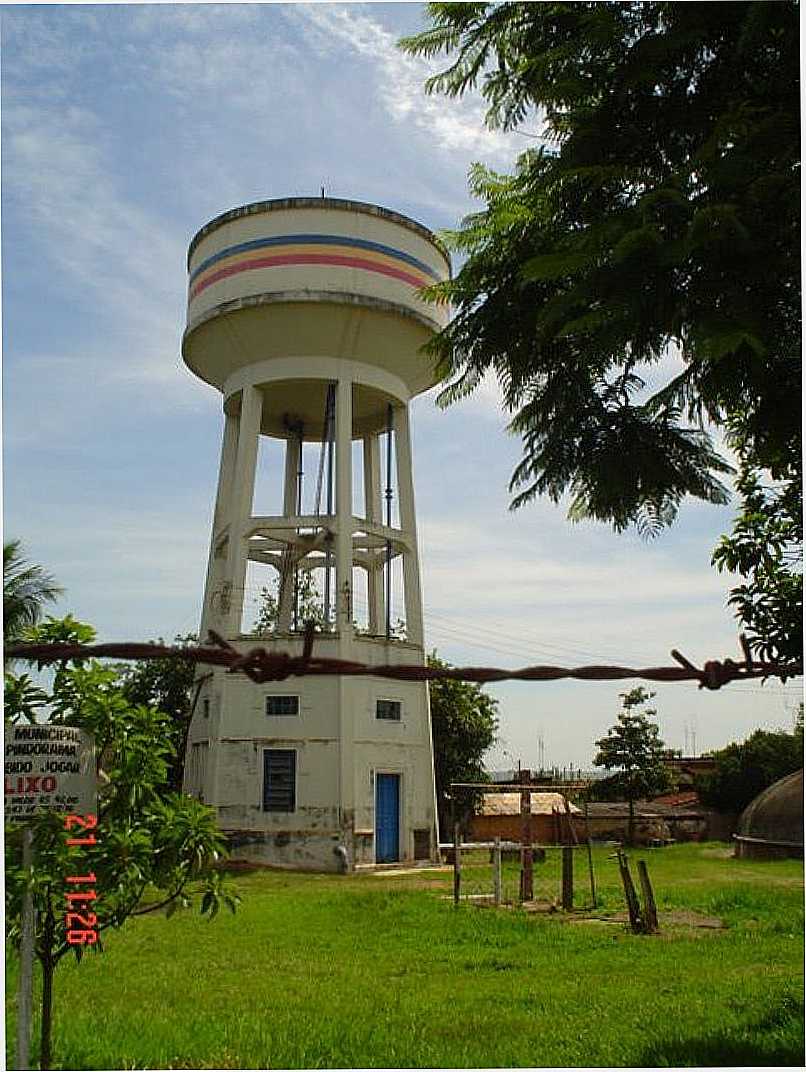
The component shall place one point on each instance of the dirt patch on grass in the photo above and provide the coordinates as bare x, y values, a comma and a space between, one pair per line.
683, 918
670, 923
395, 872
675, 919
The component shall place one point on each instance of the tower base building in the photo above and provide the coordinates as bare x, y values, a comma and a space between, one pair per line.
306, 315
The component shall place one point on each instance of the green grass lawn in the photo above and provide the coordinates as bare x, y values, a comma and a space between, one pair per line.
366, 971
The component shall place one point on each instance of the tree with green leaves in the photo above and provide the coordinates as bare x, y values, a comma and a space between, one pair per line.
172, 687
309, 606
464, 723
743, 770
658, 219
26, 590
662, 210
156, 850
634, 750
766, 549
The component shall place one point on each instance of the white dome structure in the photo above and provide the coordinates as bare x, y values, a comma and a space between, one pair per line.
772, 825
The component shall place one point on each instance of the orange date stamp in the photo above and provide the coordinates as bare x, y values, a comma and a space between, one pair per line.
81, 926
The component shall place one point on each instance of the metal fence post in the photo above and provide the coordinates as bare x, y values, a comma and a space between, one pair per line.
527, 873
457, 864
497, 872
568, 878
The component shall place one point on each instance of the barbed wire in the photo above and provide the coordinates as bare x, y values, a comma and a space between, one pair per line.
261, 665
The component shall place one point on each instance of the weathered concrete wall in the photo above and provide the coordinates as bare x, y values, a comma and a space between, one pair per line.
340, 746
510, 828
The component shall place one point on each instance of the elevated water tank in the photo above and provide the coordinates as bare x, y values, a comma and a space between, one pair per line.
307, 278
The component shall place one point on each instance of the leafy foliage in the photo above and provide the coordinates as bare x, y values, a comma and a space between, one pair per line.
310, 606
634, 750
464, 722
155, 848
168, 686
744, 769
26, 588
661, 212
766, 548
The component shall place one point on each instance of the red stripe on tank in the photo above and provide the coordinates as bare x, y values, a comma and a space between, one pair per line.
306, 258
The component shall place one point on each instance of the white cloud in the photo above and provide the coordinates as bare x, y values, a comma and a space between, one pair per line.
95, 242
450, 125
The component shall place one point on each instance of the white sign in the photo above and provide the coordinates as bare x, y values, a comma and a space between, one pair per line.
49, 768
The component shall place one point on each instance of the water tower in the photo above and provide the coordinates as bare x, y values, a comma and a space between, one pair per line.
305, 314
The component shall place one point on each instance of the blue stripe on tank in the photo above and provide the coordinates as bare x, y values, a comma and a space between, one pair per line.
313, 240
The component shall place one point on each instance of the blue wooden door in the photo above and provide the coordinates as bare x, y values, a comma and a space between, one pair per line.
387, 817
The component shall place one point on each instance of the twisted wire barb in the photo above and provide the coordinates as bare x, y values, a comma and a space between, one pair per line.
260, 665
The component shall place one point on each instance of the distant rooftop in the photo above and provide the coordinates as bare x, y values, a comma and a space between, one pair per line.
510, 804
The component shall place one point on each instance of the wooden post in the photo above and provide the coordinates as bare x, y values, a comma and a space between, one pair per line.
457, 864
650, 910
568, 878
590, 856
572, 832
527, 873
24, 988
497, 872
629, 894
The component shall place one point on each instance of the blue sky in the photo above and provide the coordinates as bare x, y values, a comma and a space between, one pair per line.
124, 129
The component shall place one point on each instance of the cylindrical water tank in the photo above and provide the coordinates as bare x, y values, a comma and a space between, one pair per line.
312, 278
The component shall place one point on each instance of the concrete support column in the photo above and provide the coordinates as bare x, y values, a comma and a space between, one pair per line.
291, 486
344, 507
372, 496
240, 509
291, 506
408, 524
226, 469
226, 472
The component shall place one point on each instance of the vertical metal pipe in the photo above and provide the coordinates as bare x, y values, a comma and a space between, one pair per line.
298, 507
330, 430
389, 521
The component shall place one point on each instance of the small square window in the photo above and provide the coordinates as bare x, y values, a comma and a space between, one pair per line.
389, 709
206, 707
282, 705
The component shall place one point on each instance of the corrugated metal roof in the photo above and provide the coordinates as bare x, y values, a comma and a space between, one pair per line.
510, 804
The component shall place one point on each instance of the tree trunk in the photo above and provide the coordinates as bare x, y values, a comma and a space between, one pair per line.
631, 823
